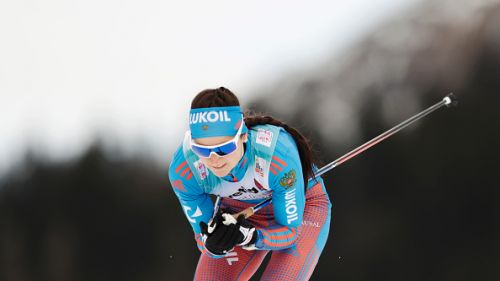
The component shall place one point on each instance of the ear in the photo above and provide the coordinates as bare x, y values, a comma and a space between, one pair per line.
244, 137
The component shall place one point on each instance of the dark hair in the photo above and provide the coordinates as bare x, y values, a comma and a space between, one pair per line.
224, 97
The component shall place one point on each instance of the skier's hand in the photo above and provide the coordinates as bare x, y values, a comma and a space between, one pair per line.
223, 232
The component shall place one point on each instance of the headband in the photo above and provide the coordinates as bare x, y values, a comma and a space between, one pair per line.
215, 121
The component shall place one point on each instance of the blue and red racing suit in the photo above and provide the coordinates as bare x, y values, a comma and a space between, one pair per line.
294, 227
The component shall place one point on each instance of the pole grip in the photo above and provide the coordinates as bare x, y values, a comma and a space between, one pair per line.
248, 212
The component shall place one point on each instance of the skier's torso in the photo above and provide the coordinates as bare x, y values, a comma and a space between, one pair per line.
249, 179
255, 178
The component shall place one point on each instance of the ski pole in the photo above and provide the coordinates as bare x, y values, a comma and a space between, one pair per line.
448, 101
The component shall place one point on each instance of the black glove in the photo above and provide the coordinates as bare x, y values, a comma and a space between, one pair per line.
223, 232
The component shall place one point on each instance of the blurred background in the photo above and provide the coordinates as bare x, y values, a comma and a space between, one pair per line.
94, 98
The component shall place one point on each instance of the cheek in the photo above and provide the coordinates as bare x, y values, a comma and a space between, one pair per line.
235, 157
233, 160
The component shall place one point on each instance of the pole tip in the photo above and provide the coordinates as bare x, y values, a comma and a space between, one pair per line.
450, 100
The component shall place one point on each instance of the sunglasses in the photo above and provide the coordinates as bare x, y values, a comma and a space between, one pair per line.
222, 149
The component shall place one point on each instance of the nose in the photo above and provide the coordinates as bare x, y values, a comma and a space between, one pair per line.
213, 158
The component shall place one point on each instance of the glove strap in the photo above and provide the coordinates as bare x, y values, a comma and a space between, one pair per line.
248, 235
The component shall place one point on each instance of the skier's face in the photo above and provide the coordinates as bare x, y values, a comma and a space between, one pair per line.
222, 165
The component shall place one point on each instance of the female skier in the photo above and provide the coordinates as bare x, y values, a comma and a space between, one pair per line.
245, 160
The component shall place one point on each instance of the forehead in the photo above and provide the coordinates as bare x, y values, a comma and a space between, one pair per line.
212, 140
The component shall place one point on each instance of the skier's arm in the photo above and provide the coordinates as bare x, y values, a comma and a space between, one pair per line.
286, 181
195, 203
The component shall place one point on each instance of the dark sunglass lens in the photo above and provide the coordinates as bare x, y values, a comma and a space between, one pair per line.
203, 152
226, 149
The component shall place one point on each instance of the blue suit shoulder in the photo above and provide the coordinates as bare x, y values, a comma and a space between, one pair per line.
181, 176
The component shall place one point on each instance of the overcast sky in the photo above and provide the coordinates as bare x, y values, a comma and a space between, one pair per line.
70, 70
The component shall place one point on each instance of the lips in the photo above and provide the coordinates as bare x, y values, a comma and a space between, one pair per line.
220, 167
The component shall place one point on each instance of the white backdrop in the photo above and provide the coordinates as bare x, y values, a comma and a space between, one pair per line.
127, 70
